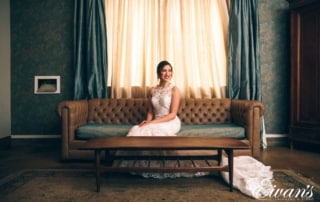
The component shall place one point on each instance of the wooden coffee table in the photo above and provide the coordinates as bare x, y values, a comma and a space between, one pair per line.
143, 143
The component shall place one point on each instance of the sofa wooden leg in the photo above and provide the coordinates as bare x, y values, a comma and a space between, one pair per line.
98, 161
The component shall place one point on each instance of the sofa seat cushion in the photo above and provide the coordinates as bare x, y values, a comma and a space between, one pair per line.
94, 130
213, 130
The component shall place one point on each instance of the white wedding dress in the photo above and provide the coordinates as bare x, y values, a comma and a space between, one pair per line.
249, 175
161, 102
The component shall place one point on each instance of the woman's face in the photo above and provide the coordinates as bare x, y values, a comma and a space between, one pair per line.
166, 73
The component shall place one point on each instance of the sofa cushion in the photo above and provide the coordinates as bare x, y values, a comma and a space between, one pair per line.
213, 130
94, 130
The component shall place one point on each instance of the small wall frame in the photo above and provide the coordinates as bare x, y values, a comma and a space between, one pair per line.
46, 84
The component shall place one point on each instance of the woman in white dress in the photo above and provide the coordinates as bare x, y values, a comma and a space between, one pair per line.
161, 119
250, 176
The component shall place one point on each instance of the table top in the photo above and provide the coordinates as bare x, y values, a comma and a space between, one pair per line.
165, 142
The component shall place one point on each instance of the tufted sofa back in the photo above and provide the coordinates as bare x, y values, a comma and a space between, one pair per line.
117, 111
133, 111
205, 111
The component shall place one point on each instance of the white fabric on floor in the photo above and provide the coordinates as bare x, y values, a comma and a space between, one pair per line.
250, 176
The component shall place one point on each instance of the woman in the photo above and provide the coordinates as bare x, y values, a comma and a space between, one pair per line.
163, 105
250, 176
161, 120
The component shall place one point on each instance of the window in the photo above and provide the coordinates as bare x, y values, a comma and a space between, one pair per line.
190, 34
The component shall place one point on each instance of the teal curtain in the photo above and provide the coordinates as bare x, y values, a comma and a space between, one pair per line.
90, 49
244, 80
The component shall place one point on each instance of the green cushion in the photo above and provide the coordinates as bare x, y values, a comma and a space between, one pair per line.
213, 130
94, 130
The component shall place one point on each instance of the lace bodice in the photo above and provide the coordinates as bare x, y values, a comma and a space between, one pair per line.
161, 100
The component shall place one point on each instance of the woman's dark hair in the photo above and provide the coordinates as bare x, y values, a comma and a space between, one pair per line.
161, 66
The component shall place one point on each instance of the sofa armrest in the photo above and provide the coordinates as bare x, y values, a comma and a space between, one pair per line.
73, 115
247, 113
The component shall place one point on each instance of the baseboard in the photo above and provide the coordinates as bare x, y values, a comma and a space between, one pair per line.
35, 136
34, 139
5, 143
274, 140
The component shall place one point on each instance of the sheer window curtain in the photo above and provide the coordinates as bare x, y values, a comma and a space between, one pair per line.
191, 35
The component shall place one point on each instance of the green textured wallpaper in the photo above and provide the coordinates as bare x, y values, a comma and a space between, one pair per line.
41, 44
275, 63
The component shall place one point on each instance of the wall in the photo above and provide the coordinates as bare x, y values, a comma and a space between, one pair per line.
41, 33
5, 117
42, 45
275, 63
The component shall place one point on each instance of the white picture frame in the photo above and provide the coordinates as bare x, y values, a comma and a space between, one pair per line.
46, 84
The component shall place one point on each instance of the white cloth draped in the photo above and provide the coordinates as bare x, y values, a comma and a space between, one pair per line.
250, 176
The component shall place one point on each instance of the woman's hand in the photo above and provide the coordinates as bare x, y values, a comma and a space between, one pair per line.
143, 123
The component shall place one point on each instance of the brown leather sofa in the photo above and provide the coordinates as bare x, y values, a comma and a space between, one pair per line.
211, 117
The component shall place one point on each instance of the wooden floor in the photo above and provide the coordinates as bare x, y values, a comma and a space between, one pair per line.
31, 154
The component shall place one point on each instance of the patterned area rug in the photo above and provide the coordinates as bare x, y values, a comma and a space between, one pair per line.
79, 185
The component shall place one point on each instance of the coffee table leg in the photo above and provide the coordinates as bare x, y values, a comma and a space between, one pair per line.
98, 156
219, 156
230, 165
